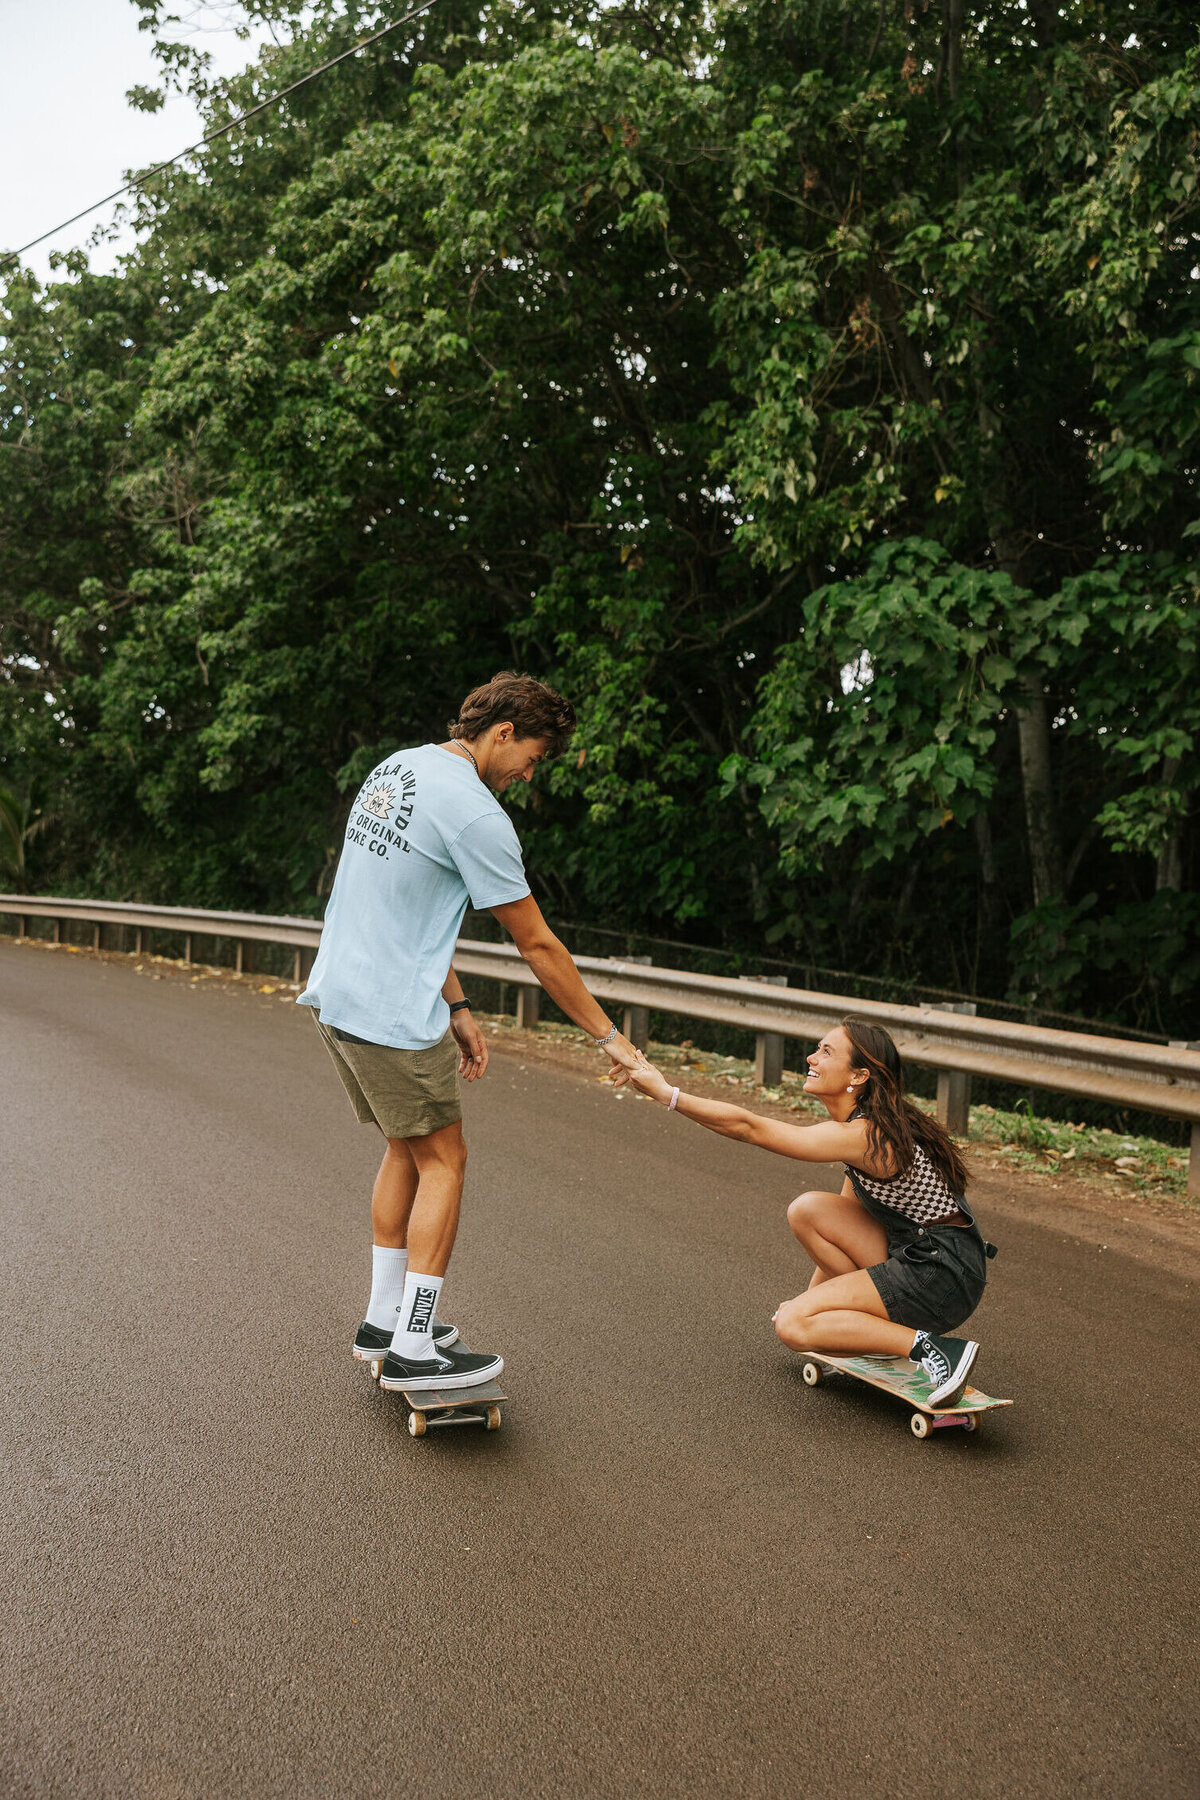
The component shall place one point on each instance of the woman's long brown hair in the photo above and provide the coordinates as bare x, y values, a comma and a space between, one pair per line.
892, 1120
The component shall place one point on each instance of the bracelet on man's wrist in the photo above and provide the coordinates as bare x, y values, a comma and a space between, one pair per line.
673, 1102
459, 1005
601, 1042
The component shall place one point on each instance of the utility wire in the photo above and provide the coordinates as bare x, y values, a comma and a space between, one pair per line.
211, 136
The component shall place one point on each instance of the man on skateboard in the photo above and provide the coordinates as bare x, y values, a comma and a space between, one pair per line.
425, 838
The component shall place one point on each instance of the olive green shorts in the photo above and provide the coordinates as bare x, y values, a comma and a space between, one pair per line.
407, 1093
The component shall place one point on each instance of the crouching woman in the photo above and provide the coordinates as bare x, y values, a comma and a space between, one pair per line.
900, 1261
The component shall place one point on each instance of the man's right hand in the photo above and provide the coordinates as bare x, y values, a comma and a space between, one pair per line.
555, 969
623, 1054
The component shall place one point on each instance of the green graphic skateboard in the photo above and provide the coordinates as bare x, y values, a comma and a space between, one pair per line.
427, 1407
896, 1375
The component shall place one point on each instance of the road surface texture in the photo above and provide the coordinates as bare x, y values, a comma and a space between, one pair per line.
227, 1570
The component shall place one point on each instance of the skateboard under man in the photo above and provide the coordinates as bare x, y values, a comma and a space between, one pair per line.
427, 1407
897, 1375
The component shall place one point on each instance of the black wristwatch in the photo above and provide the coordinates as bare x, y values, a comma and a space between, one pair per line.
458, 1005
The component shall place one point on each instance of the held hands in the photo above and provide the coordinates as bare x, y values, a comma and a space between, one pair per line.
623, 1055
644, 1077
472, 1046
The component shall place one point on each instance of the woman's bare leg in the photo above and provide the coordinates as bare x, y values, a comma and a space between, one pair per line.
845, 1316
839, 1234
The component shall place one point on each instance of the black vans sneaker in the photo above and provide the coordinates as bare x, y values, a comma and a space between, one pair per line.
375, 1340
444, 1369
947, 1361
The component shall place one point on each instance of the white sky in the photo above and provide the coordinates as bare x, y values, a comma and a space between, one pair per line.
67, 133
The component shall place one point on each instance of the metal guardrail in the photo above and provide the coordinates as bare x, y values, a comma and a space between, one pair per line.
1153, 1078
263, 928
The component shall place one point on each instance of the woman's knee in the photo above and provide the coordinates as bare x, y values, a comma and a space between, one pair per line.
804, 1212
793, 1324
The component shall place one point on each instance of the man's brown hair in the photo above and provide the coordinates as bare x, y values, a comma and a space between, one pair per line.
529, 706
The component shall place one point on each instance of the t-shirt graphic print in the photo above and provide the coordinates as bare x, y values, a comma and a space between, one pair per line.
425, 838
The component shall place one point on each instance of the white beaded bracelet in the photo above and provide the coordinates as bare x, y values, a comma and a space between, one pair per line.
674, 1100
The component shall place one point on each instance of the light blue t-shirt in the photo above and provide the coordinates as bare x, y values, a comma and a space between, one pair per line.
424, 838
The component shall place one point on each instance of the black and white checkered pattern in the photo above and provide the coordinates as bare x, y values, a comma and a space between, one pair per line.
920, 1194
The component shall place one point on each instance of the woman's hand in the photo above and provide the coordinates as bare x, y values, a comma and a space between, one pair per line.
645, 1078
472, 1046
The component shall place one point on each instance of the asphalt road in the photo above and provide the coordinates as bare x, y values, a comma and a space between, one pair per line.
226, 1569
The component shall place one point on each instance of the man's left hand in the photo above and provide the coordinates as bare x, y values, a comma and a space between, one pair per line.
472, 1046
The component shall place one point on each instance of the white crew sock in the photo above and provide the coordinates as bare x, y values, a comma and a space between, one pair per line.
388, 1268
414, 1333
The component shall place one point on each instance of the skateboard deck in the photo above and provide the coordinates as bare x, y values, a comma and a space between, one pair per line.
896, 1375
427, 1407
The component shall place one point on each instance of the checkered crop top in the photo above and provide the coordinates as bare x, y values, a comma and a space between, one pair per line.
920, 1193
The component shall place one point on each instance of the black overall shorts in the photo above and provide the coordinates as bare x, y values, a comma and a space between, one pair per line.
934, 1275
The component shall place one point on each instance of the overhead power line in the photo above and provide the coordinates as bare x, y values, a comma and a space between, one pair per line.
211, 136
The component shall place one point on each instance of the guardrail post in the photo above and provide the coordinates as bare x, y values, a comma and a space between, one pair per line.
137, 940
187, 948
57, 924
636, 1024
1193, 1168
96, 935
302, 964
768, 1045
954, 1089
22, 926
239, 956
529, 1000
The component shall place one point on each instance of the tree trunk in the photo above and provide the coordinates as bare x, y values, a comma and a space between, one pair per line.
988, 911
1044, 14
1170, 865
949, 69
1033, 710
1045, 848
1169, 873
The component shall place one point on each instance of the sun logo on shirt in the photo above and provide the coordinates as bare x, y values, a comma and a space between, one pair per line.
380, 801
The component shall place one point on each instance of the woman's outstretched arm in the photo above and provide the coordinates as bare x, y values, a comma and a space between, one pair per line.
824, 1143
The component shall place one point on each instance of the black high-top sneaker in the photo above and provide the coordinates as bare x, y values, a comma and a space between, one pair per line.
375, 1340
444, 1369
947, 1362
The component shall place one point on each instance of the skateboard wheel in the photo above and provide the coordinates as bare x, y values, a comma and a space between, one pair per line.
416, 1424
810, 1374
971, 1422
921, 1425
493, 1418
376, 1366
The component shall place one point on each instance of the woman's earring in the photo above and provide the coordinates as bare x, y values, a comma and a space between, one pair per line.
850, 1089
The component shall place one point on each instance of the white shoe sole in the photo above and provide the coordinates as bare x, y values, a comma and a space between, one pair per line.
423, 1384
951, 1390
361, 1355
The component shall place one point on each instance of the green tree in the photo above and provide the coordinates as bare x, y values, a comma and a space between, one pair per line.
981, 344
809, 389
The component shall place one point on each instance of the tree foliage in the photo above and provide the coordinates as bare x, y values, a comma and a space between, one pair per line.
808, 388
